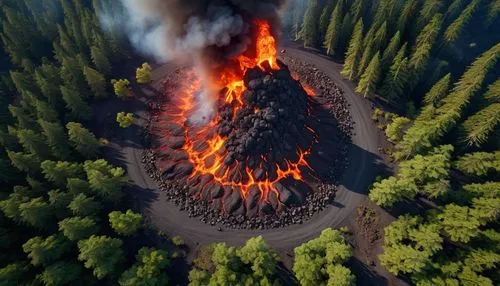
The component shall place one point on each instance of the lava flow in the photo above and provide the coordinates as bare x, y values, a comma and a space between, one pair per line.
257, 143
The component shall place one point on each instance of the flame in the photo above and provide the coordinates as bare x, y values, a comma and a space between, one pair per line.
210, 159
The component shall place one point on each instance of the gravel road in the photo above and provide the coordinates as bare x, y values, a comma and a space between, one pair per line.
360, 173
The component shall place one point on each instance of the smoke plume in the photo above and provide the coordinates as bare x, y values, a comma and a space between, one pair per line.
167, 29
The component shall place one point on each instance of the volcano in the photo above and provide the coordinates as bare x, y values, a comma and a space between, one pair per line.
267, 149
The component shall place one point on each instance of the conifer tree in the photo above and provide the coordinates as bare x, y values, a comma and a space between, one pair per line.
390, 51
149, 268
77, 186
438, 91
493, 12
24, 162
453, 31
309, 29
423, 46
96, 81
394, 130
59, 172
105, 180
372, 46
45, 111
102, 254
353, 52
397, 78
333, 32
433, 124
407, 15
100, 60
324, 19
480, 126
48, 80
43, 251
73, 77
370, 77
122, 88
61, 273
75, 104
356, 11
493, 92
83, 205
78, 228
430, 9
37, 213
33, 143
82, 139
479, 163
126, 223
56, 139
24, 118
125, 119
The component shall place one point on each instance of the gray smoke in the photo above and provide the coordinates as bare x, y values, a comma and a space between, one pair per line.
167, 29
206, 31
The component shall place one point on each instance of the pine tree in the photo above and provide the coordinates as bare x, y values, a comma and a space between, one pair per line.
324, 19
102, 254
24, 118
479, 163
105, 180
45, 111
459, 223
83, 205
43, 251
370, 77
75, 104
493, 92
78, 228
397, 78
480, 126
73, 77
429, 9
56, 139
433, 124
61, 273
354, 52
34, 143
24, 83
423, 46
149, 268
100, 60
453, 31
438, 91
59, 172
24, 162
96, 81
334, 29
83, 140
77, 186
408, 13
456, 6
126, 223
394, 130
391, 51
37, 213
309, 29
493, 12
372, 46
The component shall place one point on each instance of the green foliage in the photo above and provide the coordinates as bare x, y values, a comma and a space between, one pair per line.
122, 88
480, 126
427, 175
84, 206
36, 212
395, 129
78, 228
143, 74
423, 47
333, 32
433, 123
96, 81
438, 91
370, 77
59, 172
459, 223
253, 264
391, 50
309, 29
102, 254
100, 60
126, 223
33, 143
453, 31
177, 240
43, 251
325, 17
105, 179
13, 274
45, 111
318, 261
478, 163
125, 119
56, 138
61, 273
493, 92
24, 162
353, 52
82, 139
148, 269
77, 107
397, 78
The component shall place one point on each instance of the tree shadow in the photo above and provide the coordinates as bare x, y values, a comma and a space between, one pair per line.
365, 275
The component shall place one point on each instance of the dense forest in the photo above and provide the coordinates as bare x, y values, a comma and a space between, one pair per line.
434, 64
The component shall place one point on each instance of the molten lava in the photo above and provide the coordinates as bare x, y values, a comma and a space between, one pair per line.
206, 148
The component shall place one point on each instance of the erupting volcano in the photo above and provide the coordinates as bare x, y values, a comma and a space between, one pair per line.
268, 147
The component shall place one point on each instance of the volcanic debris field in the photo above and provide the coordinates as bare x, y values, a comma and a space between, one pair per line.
268, 159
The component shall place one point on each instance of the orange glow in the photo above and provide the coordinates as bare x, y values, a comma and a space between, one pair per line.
210, 158
309, 90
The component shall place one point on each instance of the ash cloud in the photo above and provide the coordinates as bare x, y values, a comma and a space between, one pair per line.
167, 29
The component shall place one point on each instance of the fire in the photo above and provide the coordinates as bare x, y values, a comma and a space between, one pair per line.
210, 158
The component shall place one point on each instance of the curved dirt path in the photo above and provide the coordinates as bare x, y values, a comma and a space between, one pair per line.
360, 173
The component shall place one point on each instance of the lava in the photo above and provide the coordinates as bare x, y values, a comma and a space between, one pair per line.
206, 148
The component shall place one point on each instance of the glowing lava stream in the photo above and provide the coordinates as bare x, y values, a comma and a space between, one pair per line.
209, 158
